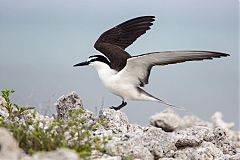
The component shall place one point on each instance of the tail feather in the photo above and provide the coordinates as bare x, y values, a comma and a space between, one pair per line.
160, 101
172, 106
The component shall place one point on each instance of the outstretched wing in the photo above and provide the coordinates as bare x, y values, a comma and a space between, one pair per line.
113, 42
138, 68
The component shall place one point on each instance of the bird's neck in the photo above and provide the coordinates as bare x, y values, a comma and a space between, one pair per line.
104, 71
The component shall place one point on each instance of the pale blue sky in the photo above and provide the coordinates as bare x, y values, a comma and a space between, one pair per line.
41, 40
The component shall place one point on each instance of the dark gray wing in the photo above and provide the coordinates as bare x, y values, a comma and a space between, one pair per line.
113, 42
138, 68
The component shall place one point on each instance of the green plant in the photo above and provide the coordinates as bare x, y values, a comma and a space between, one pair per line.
129, 157
21, 109
9, 106
6, 95
35, 135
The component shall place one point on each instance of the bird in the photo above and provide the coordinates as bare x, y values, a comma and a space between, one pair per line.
125, 75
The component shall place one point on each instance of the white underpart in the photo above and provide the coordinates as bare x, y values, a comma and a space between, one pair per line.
119, 85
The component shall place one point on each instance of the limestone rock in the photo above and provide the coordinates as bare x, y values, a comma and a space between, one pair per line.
218, 122
2, 101
192, 121
205, 151
128, 148
168, 120
135, 129
65, 104
9, 149
168, 137
117, 121
3, 110
190, 137
59, 154
158, 141
220, 139
109, 158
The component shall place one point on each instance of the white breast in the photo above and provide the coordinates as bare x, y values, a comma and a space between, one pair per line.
114, 83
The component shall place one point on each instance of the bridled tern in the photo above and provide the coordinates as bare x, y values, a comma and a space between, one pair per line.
125, 75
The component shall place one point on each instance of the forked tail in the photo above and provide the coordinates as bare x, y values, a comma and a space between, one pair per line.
152, 98
172, 106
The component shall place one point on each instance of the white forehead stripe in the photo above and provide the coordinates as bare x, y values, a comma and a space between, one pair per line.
95, 57
89, 59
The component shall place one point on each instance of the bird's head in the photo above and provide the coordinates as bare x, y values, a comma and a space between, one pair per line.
96, 61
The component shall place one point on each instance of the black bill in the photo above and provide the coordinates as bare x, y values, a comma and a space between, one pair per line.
81, 64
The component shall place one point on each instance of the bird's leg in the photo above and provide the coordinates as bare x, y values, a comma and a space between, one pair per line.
120, 106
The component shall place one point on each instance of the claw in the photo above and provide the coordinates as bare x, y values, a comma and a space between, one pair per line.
119, 107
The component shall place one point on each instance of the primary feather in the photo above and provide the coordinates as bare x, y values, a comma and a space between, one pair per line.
138, 67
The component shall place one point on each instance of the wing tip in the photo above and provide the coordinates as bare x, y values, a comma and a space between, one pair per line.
222, 54
216, 53
225, 54
151, 18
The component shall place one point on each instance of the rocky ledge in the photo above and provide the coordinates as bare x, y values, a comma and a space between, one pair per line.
168, 136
